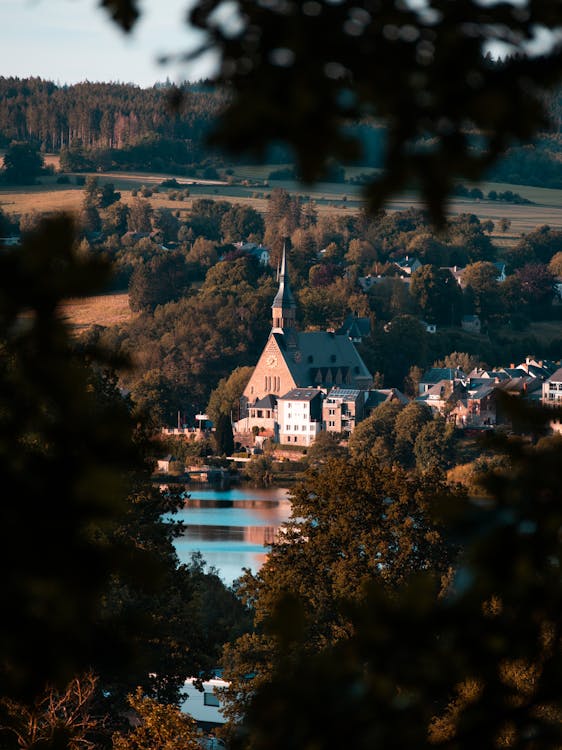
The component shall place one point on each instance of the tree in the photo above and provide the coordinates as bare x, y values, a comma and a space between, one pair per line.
555, 264
407, 427
437, 294
536, 284
115, 218
376, 432
240, 222
22, 163
326, 446
477, 662
433, 446
539, 245
162, 279
56, 717
224, 439
159, 727
353, 523
49, 394
480, 280
225, 398
140, 213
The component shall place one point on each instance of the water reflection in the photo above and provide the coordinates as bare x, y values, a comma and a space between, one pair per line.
231, 528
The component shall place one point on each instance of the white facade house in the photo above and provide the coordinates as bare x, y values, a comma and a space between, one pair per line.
552, 396
204, 705
300, 416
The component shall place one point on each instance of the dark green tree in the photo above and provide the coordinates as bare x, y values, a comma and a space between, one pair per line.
225, 398
48, 396
353, 523
477, 663
480, 281
437, 294
224, 438
433, 446
22, 163
407, 427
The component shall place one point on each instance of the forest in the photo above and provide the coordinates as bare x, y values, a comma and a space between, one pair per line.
108, 126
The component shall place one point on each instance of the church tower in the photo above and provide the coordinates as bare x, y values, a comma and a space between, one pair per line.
284, 307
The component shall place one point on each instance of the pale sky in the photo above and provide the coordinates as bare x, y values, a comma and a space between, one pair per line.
67, 41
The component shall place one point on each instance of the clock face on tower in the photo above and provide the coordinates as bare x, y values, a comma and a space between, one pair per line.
271, 360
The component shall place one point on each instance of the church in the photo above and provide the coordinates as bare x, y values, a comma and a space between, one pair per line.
294, 359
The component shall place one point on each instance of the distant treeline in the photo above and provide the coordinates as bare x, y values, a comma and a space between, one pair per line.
101, 115
102, 126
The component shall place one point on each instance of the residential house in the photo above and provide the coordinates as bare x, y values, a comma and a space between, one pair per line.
355, 328
300, 416
502, 276
163, 464
443, 396
476, 406
408, 265
261, 253
342, 409
439, 374
552, 396
377, 396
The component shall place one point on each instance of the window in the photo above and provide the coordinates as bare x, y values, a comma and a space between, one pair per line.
210, 699
303, 428
331, 412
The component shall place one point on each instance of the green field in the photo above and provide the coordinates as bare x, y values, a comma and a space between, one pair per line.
251, 186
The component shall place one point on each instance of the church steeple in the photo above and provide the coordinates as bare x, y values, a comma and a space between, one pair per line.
284, 307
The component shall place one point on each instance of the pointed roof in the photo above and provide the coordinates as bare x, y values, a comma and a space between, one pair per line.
284, 297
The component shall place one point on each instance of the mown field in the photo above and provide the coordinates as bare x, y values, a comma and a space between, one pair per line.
104, 310
329, 197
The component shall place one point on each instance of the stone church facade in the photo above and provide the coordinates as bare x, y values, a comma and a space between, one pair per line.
296, 359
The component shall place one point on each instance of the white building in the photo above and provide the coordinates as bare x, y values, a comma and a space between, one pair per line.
552, 396
300, 416
204, 705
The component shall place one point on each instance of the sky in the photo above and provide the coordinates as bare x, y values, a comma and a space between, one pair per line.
67, 41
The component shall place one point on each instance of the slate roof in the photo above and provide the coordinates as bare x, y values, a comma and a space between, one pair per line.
321, 357
378, 396
267, 402
556, 376
300, 394
435, 374
355, 327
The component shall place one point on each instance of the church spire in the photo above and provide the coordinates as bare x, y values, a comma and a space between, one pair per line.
283, 307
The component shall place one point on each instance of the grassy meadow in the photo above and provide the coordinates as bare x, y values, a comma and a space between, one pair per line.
329, 197
104, 310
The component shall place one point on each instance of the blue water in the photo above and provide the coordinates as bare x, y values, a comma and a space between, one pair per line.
231, 528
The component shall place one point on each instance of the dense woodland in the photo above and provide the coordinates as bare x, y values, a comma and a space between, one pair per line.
102, 126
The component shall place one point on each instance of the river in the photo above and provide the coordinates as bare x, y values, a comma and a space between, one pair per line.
231, 527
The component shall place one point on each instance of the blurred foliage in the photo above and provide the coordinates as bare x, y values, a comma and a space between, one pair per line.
476, 665
66, 451
300, 72
353, 521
